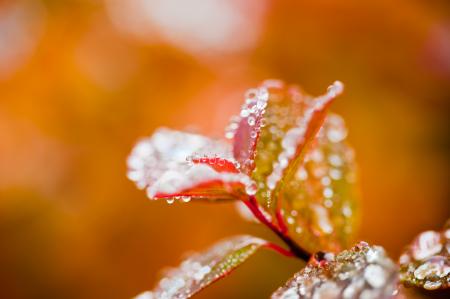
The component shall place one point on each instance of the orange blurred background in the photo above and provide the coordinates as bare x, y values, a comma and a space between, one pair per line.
82, 80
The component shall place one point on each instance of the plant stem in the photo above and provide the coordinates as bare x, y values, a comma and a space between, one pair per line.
296, 250
279, 249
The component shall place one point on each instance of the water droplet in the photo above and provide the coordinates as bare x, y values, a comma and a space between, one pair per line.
426, 244
170, 201
251, 188
251, 93
301, 174
185, 198
262, 123
346, 210
328, 192
229, 135
325, 181
335, 174
375, 275
335, 160
251, 121
336, 134
432, 285
245, 113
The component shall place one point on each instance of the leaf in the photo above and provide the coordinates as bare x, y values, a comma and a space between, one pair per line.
319, 201
201, 270
298, 158
176, 165
426, 262
362, 272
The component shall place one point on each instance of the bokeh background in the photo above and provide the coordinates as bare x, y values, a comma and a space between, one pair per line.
82, 80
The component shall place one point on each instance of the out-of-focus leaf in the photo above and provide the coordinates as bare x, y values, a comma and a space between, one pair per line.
318, 201
362, 272
201, 270
298, 158
177, 165
426, 262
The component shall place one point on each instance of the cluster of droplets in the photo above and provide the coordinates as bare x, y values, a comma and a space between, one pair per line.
363, 272
200, 270
426, 262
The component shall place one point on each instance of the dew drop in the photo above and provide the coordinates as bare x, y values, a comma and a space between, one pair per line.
336, 135
229, 135
325, 181
170, 200
185, 198
335, 174
251, 121
245, 113
375, 275
432, 285
251, 188
426, 244
328, 192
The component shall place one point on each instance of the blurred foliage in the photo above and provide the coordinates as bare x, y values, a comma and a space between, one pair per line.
79, 84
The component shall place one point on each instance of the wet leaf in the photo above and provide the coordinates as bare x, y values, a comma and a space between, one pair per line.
426, 262
298, 157
362, 272
177, 165
201, 270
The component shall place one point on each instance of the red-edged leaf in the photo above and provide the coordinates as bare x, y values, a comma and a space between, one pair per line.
363, 272
297, 155
426, 262
275, 124
177, 165
201, 270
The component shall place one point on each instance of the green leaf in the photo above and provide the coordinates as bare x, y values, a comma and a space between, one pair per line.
361, 272
201, 270
426, 262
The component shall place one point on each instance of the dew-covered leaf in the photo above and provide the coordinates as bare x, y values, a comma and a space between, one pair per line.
298, 157
201, 270
362, 272
177, 165
426, 261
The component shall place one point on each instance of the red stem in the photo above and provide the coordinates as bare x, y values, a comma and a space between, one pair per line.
279, 249
295, 250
